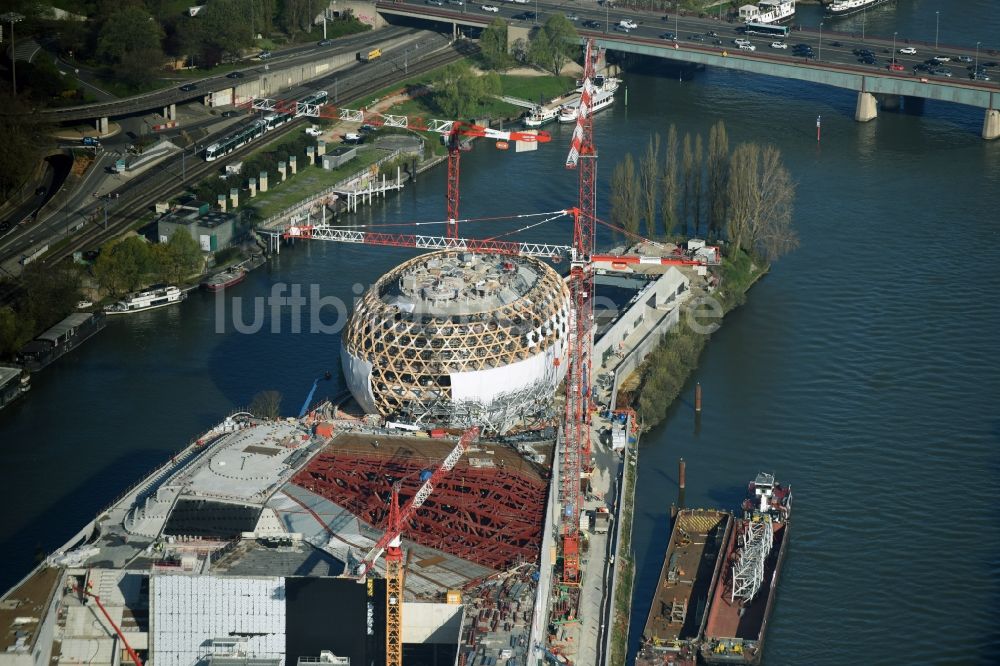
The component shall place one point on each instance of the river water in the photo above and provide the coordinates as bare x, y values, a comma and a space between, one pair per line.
863, 369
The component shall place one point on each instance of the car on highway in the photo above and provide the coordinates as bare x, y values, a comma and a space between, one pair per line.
779, 45
739, 41
572, 17
941, 71
264, 55
324, 42
964, 58
895, 67
231, 113
908, 50
941, 58
525, 16
593, 25
979, 76
439, 3
490, 8
668, 35
836, 45
711, 33
865, 60
188, 87
621, 28
748, 47
456, 2
628, 23
234, 75
697, 38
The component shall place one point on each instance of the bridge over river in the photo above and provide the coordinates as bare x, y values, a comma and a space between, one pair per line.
686, 40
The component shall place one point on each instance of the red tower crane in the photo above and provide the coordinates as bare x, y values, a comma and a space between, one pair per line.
576, 432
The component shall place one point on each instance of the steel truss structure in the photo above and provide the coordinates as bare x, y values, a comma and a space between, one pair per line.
755, 545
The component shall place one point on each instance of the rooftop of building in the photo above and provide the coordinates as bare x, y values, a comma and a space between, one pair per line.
452, 283
193, 213
66, 325
23, 609
8, 373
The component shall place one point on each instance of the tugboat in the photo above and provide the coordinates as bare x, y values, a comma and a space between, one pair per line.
227, 278
157, 296
742, 601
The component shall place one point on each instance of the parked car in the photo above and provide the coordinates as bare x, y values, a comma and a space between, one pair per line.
231, 113
234, 75
908, 50
314, 131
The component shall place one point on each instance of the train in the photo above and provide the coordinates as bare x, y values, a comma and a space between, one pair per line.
260, 126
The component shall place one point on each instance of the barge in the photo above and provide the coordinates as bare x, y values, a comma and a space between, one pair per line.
690, 572
743, 599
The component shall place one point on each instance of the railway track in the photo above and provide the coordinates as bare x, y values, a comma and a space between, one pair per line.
135, 197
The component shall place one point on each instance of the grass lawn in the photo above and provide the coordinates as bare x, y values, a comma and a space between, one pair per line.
534, 87
307, 182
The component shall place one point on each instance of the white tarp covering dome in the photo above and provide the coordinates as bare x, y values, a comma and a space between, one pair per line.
459, 338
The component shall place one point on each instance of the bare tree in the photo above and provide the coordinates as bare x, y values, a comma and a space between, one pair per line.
266, 405
668, 184
718, 172
761, 196
687, 191
650, 174
625, 196
696, 183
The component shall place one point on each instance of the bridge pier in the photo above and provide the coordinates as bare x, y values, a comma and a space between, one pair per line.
865, 109
170, 112
101, 125
991, 124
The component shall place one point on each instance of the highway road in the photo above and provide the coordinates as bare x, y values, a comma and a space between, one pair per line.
253, 69
690, 32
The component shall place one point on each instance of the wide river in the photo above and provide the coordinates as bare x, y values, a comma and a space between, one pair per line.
864, 369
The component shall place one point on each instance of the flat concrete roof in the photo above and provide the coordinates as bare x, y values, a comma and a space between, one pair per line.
66, 325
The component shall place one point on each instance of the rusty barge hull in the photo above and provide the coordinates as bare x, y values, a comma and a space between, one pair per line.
690, 572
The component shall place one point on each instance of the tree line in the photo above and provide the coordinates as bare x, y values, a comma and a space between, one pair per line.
130, 263
744, 196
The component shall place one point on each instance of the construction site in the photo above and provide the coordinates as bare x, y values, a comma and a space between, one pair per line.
457, 504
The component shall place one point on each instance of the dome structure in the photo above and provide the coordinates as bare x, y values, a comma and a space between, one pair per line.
458, 338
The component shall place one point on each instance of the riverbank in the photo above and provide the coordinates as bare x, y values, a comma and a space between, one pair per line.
661, 377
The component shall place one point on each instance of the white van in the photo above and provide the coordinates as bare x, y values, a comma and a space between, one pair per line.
741, 42
628, 24
747, 47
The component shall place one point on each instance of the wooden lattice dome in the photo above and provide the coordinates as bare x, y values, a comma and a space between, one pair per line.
456, 327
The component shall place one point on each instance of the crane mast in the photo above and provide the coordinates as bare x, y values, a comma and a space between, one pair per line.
576, 432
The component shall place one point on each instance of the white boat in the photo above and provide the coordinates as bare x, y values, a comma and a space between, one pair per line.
601, 101
157, 296
608, 84
840, 8
768, 11
542, 115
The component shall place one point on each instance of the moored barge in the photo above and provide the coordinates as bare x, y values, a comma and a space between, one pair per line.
690, 572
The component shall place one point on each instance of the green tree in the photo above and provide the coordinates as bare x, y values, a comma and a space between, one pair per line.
459, 92
225, 27
15, 330
295, 16
123, 265
696, 184
51, 293
126, 32
718, 172
178, 258
563, 41
540, 50
687, 169
625, 203
649, 172
668, 184
493, 45
22, 147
